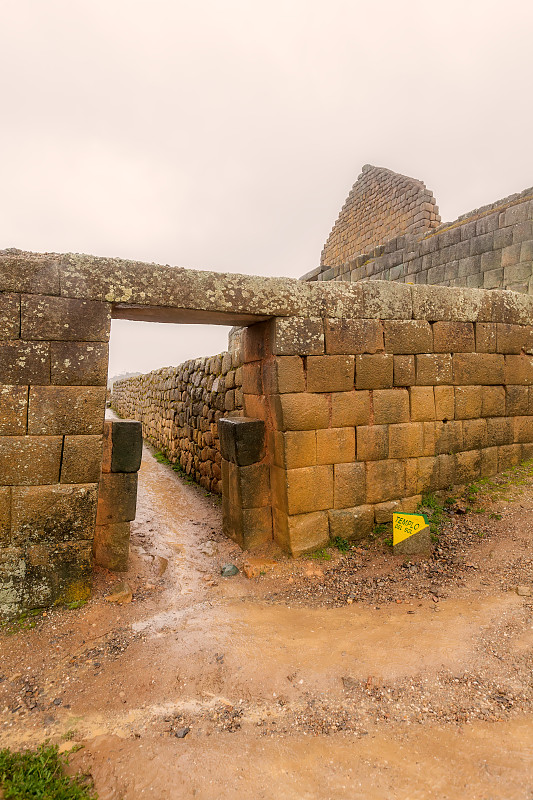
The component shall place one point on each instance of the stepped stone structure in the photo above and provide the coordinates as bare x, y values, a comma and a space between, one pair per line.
357, 395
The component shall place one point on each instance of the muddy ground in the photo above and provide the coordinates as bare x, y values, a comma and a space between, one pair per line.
360, 675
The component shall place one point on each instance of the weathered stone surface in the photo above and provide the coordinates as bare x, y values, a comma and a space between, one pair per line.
374, 371
384, 480
284, 374
330, 373
13, 410
30, 460
408, 336
29, 272
82, 459
418, 544
301, 533
349, 409
78, 363
24, 362
5, 515
349, 485
390, 406
404, 370
52, 514
454, 337
123, 446
9, 315
295, 449
247, 487
301, 412
335, 445
117, 497
351, 523
66, 410
353, 336
479, 368
242, 440
297, 336
111, 546
307, 489
53, 318
372, 442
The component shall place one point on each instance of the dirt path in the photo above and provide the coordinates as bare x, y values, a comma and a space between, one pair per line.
360, 677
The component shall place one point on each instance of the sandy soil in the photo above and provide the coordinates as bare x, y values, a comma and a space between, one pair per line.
366, 676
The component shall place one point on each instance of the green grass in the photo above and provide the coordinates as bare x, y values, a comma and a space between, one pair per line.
321, 555
342, 545
40, 774
24, 622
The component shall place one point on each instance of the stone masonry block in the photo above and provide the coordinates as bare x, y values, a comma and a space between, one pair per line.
454, 337
295, 449
254, 405
489, 462
513, 339
444, 402
117, 497
500, 430
422, 403
349, 487
492, 401
301, 533
78, 363
448, 437
9, 315
256, 341
435, 303
29, 272
523, 429
518, 369
61, 318
374, 371
406, 440
50, 514
335, 445
390, 406
249, 487
301, 412
386, 300
516, 400
330, 373
408, 336
24, 362
485, 337
353, 336
66, 410
474, 434
349, 409
298, 336
404, 370
111, 546
479, 368
242, 440
309, 489
252, 378
372, 442
122, 446
354, 524
82, 459
384, 480
468, 402
509, 456
249, 527
433, 369
5, 515
467, 466
284, 374
30, 460
13, 410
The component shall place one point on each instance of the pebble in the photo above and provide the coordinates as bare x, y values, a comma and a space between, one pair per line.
523, 591
229, 570
121, 594
182, 732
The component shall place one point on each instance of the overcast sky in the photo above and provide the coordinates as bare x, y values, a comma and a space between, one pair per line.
226, 134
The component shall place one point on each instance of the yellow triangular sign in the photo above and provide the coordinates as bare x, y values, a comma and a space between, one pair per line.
405, 525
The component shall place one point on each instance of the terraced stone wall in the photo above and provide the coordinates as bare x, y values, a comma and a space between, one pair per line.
179, 408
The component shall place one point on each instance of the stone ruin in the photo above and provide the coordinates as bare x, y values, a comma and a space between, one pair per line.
344, 396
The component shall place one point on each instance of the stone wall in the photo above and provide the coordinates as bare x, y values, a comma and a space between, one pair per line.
179, 408
488, 248
381, 205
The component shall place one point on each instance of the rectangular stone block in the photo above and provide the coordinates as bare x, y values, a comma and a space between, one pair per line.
406, 440
354, 524
295, 449
489, 462
435, 303
349, 409
516, 400
513, 339
122, 446
249, 527
78, 363
374, 371
422, 401
448, 437
479, 368
248, 487
509, 456
353, 336
404, 370
390, 406
518, 369
9, 315
5, 515
284, 374
493, 401
30, 460
111, 546
335, 445
384, 300
433, 369
24, 362
257, 341
117, 497
252, 382
51, 514
29, 272
454, 337
523, 429
62, 318
408, 336
309, 489
467, 466
500, 430
330, 373
66, 410
297, 336
302, 533
444, 402
13, 410
82, 459
474, 434
384, 480
468, 402
485, 337
349, 487
242, 440
372, 442
301, 412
